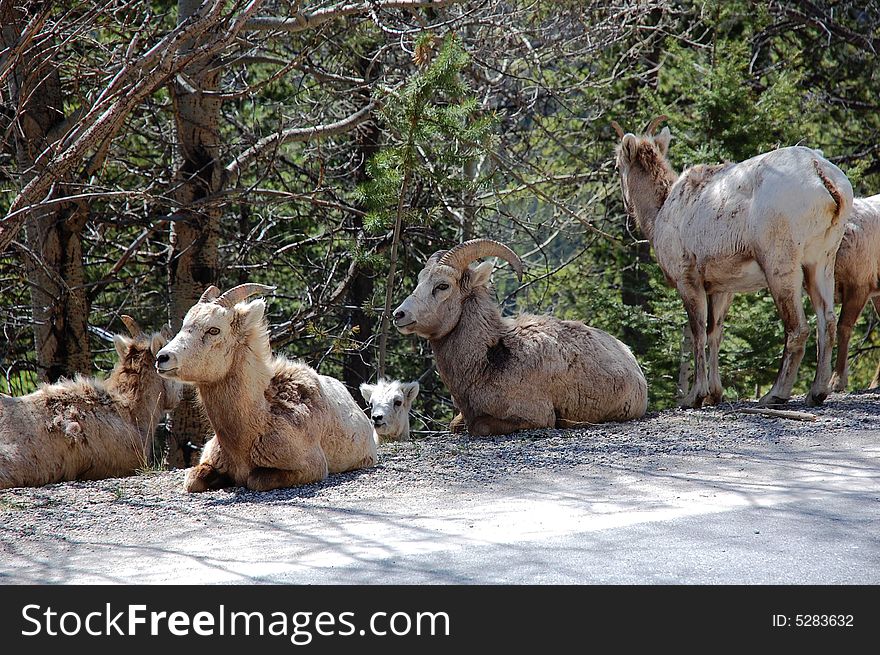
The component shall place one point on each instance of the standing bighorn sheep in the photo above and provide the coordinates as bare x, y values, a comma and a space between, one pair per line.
514, 374
277, 423
773, 221
390, 403
86, 428
856, 279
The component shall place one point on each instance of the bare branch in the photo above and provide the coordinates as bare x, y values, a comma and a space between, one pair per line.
128, 88
297, 134
303, 20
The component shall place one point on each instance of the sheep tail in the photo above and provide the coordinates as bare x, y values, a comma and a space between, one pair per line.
832, 190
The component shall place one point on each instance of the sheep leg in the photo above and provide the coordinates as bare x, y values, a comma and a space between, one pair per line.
695, 304
786, 292
685, 353
207, 474
484, 426
266, 479
205, 477
311, 466
820, 286
719, 303
852, 303
458, 425
876, 381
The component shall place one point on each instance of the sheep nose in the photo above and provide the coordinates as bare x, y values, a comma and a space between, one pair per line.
399, 314
377, 418
163, 358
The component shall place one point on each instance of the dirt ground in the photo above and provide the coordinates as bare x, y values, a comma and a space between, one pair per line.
709, 496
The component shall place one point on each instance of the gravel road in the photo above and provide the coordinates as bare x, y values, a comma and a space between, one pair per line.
709, 496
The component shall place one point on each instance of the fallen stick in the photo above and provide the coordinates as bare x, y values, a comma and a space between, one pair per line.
778, 413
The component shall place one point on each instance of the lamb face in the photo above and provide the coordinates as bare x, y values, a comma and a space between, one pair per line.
390, 404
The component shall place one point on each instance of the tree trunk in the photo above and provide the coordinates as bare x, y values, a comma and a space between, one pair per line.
193, 259
635, 282
635, 292
53, 263
358, 363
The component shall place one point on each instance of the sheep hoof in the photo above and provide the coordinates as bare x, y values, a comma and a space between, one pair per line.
458, 425
204, 477
772, 401
838, 384
814, 400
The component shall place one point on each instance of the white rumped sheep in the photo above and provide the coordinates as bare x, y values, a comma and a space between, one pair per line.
773, 221
509, 374
277, 423
86, 428
390, 402
856, 279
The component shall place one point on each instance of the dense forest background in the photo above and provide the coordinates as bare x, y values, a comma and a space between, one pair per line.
148, 150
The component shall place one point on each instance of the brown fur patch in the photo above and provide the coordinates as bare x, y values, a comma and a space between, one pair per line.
293, 392
832, 190
654, 164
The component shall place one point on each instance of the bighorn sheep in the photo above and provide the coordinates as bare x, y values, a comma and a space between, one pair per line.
390, 403
277, 423
772, 221
514, 374
856, 279
86, 428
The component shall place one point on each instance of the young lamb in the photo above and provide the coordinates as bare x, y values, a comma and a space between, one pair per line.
390, 403
775, 220
86, 428
508, 374
277, 423
856, 279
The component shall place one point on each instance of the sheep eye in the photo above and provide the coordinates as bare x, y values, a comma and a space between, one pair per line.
398, 403
441, 287
213, 330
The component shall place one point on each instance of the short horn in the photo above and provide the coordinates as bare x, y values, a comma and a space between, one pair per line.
654, 124
617, 128
242, 292
133, 328
464, 253
211, 294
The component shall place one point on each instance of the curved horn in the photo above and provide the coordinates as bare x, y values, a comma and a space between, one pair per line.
133, 328
654, 124
464, 253
211, 294
242, 292
617, 128
436, 256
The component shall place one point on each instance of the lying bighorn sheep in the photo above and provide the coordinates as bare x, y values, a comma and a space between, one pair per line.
774, 221
86, 428
508, 374
390, 403
856, 279
277, 423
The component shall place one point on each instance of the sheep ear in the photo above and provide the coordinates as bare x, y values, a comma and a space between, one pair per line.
410, 390
167, 331
252, 313
157, 342
367, 391
662, 140
628, 145
480, 274
121, 343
